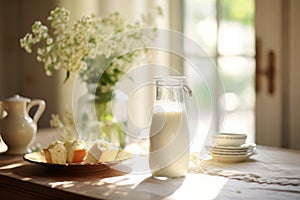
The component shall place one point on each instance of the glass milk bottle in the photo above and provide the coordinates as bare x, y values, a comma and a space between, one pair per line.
169, 132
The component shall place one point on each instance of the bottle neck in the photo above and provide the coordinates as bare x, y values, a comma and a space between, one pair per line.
171, 88
169, 93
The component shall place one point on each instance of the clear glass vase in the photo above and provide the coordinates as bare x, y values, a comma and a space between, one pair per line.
95, 118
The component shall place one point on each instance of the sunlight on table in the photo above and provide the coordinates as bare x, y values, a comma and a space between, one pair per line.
208, 187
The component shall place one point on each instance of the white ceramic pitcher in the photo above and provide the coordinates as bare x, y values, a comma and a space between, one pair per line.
17, 128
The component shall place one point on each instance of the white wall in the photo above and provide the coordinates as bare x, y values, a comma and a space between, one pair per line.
20, 72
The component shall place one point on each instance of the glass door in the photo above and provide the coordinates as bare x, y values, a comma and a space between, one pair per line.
225, 29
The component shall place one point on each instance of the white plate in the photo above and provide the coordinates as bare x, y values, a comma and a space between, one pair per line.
231, 158
210, 148
242, 147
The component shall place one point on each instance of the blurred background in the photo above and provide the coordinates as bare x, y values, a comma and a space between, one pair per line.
238, 37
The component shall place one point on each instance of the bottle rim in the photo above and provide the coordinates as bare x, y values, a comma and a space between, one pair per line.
169, 80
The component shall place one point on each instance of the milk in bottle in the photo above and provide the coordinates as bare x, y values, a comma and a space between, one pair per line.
169, 132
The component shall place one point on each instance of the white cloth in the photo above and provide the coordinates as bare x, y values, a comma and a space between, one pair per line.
269, 166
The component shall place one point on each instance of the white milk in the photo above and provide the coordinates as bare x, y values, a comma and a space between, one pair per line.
169, 141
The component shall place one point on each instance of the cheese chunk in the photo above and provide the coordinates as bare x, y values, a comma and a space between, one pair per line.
123, 155
101, 151
108, 155
94, 153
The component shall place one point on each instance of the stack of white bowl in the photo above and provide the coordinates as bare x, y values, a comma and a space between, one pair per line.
231, 147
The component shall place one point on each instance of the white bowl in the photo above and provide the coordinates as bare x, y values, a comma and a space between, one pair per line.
230, 139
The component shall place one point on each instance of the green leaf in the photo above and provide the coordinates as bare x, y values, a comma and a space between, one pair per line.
67, 76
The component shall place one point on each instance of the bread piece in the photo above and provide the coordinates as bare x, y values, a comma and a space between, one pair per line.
56, 153
76, 151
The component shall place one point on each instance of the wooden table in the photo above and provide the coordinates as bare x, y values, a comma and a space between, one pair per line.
271, 174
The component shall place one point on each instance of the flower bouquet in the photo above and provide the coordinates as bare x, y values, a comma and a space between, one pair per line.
99, 49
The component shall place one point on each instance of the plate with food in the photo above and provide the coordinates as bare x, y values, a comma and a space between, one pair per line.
75, 155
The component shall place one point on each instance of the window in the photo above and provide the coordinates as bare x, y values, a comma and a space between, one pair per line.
225, 29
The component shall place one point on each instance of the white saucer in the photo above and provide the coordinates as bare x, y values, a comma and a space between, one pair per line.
230, 152
231, 158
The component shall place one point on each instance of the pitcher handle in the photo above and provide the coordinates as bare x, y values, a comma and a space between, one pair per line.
40, 110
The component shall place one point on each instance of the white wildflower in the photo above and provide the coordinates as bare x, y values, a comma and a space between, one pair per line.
83, 66
91, 39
